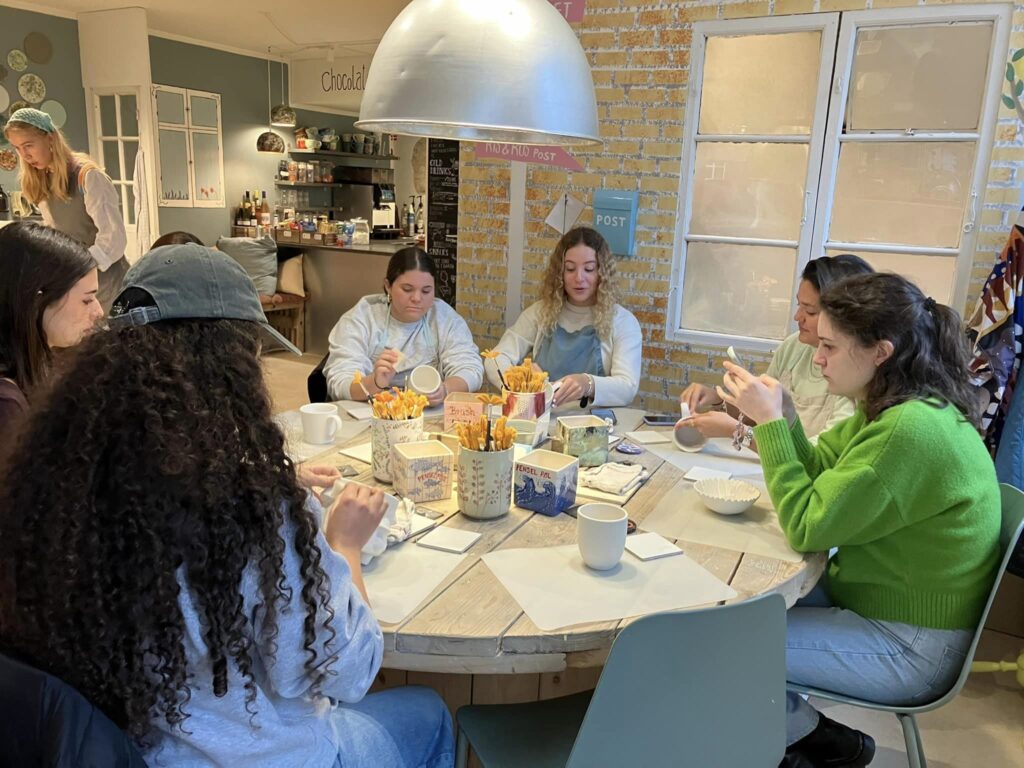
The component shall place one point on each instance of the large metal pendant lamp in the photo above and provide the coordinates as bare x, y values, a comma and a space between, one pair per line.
268, 141
481, 70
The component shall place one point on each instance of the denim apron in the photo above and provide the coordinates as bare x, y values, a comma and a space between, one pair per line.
404, 368
562, 353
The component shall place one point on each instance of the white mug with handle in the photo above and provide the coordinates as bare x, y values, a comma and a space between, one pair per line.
320, 422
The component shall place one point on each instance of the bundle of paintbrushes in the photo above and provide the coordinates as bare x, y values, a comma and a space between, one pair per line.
523, 378
398, 404
481, 436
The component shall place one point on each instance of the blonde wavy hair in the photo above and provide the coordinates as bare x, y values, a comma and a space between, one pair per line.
53, 181
553, 291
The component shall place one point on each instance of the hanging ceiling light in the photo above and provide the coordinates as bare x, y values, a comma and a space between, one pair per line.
283, 116
502, 70
268, 141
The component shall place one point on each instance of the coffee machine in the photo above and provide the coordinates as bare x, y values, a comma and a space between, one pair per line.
385, 212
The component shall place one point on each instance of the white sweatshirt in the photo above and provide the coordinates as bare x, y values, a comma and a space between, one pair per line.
441, 337
620, 355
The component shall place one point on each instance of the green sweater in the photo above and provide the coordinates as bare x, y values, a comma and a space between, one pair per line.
911, 501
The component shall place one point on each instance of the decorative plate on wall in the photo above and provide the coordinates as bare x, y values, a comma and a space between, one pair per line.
8, 160
32, 88
56, 111
38, 47
16, 105
5, 99
17, 60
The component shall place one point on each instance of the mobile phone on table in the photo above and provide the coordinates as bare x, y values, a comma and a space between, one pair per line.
660, 419
604, 413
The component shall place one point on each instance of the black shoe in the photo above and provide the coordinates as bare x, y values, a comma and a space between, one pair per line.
834, 745
795, 759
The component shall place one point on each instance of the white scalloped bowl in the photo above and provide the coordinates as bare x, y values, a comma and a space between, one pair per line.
726, 497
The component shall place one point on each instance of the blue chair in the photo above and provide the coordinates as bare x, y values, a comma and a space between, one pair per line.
1012, 526
688, 688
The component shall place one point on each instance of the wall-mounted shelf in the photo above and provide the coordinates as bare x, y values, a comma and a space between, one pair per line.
329, 153
315, 183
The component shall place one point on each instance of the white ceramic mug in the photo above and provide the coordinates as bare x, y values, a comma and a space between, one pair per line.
425, 379
320, 422
601, 534
688, 438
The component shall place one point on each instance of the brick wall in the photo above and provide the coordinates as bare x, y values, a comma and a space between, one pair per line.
640, 56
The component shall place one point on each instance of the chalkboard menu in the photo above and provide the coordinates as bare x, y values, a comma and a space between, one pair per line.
443, 213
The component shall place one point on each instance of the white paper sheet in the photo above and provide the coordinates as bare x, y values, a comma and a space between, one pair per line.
703, 473
400, 579
299, 450
362, 452
717, 454
557, 590
649, 437
356, 409
680, 514
564, 214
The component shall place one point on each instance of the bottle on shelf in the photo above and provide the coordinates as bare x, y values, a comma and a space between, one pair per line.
5, 206
264, 211
405, 215
420, 222
410, 217
245, 213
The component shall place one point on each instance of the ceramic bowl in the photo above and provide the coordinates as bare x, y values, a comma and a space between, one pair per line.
726, 496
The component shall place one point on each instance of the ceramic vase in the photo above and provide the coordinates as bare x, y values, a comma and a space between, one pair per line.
485, 483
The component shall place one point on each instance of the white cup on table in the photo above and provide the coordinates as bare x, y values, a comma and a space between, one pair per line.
320, 422
425, 379
601, 534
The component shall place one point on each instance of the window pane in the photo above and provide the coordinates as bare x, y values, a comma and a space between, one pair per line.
204, 112
131, 149
206, 154
170, 107
902, 192
130, 212
108, 121
760, 83
923, 77
933, 274
129, 121
111, 161
173, 165
749, 190
744, 289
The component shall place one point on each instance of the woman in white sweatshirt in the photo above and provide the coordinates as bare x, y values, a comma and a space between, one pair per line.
578, 332
385, 336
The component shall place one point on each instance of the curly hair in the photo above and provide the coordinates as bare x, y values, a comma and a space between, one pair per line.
164, 464
553, 290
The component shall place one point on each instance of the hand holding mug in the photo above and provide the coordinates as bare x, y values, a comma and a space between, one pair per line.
355, 516
760, 398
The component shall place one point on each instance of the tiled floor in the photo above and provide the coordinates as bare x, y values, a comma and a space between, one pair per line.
982, 728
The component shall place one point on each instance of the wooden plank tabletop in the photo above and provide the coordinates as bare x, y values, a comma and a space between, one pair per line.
471, 624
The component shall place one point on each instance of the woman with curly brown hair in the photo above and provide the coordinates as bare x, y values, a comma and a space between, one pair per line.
578, 332
171, 568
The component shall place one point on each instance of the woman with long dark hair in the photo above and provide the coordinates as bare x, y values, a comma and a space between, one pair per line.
377, 343
904, 489
48, 285
158, 554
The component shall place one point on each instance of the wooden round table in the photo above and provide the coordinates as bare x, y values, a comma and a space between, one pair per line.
472, 642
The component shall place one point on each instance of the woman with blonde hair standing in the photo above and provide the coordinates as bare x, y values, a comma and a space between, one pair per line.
578, 332
73, 193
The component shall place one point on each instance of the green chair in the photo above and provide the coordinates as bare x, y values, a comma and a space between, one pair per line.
1013, 525
688, 688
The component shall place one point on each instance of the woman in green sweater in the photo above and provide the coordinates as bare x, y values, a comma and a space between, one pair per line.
904, 489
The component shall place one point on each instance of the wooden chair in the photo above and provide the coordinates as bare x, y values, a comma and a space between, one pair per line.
1010, 533
289, 317
687, 688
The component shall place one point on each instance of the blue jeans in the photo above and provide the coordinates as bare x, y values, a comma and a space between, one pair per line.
408, 727
880, 661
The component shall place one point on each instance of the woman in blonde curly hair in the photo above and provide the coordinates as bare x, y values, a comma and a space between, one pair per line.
578, 332
75, 196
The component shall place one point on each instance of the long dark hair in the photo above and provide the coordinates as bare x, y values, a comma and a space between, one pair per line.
158, 453
38, 266
824, 271
407, 259
930, 354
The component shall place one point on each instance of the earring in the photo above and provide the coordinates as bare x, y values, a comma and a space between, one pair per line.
387, 298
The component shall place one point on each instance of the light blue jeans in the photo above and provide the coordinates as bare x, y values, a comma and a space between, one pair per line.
407, 727
881, 661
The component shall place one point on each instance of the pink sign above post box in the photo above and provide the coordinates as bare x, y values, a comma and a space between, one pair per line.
572, 10
525, 153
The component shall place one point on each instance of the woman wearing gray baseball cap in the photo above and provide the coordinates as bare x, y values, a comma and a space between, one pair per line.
174, 571
74, 195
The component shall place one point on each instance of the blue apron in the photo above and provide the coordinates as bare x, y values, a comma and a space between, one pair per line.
563, 353
402, 372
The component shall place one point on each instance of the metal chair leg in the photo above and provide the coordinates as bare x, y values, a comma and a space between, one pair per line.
912, 739
461, 750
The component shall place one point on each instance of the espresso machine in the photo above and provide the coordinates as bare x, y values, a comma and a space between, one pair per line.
385, 213
373, 202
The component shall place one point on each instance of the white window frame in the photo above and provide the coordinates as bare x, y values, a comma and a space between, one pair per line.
838, 36
1000, 16
126, 178
189, 130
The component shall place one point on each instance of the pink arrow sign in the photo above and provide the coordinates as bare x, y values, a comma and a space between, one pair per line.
525, 153
572, 10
